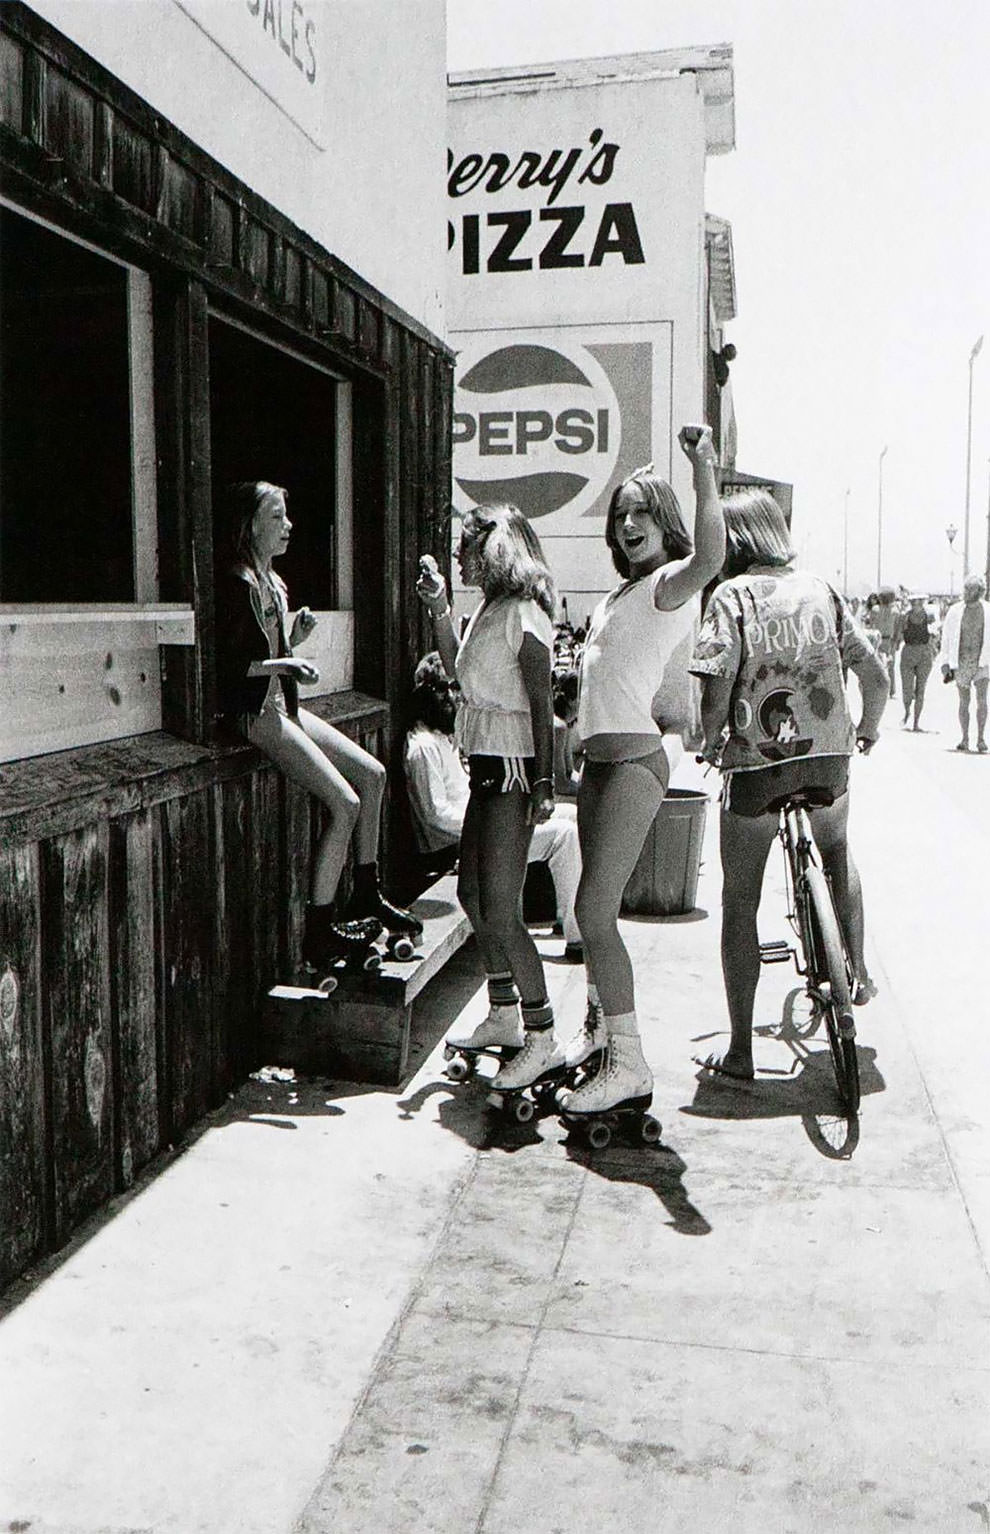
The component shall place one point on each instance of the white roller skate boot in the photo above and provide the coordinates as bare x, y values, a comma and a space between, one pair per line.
619, 1096
541, 1058
501, 1029
589, 1041
499, 1036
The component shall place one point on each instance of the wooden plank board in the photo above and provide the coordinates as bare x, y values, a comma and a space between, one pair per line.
69, 684
189, 899
23, 1181
237, 987
78, 1023
134, 973
362, 1030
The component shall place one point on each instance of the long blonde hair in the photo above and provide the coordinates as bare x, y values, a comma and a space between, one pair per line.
511, 562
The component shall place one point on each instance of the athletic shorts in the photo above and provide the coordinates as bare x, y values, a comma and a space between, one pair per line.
764, 790
656, 763
500, 774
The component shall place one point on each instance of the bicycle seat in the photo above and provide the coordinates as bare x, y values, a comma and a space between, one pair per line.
803, 799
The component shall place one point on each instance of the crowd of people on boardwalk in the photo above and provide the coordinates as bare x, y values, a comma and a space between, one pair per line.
913, 633
532, 741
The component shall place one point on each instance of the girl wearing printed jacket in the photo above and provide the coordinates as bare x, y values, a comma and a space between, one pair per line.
633, 634
258, 682
505, 729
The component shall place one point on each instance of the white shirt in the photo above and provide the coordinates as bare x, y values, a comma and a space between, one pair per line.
438, 788
494, 717
626, 653
950, 636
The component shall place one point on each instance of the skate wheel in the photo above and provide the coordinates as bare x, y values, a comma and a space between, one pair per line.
650, 1130
372, 962
523, 1110
328, 985
458, 1069
599, 1135
402, 947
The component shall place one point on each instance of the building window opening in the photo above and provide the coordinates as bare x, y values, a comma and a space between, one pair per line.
272, 417
66, 522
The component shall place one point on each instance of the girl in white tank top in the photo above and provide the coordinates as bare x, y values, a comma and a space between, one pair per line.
633, 635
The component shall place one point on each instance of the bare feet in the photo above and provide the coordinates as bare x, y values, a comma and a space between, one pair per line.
736, 1067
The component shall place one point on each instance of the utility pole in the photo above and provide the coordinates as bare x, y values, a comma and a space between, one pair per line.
977, 344
883, 455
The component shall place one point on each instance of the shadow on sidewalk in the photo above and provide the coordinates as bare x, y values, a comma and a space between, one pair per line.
802, 1088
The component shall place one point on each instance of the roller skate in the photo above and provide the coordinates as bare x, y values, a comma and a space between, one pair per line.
616, 1099
529, 1081
497, 1037
334, 948
584, 1052
402, 929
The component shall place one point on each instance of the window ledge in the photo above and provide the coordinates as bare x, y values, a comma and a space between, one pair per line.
49, 795
175, 622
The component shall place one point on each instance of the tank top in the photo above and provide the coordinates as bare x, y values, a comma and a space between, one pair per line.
625, 655
916, 628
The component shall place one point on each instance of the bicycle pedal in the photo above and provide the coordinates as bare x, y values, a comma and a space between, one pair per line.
776, 952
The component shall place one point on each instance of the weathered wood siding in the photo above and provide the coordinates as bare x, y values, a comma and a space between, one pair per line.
136, 948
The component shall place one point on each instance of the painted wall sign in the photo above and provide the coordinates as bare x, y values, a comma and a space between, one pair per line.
279, 44
551, 420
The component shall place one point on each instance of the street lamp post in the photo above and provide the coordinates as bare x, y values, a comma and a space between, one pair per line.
883, 455
950, 533
977, 344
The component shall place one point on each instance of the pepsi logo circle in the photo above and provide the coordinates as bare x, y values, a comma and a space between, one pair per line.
535, 423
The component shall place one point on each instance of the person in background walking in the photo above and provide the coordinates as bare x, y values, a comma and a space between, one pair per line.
965, 657
632, 635
505, 729
915, 635
881, 617
772, 654
258, 680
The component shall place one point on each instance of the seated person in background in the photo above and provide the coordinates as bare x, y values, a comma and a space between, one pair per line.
438, 787
566, 747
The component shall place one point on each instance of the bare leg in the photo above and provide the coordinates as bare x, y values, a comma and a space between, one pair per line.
492, 885
362, 771
981, 712
495, 958
302, 760
907, 680
745, 843
615, 811
963, 715
829, 827
921, 675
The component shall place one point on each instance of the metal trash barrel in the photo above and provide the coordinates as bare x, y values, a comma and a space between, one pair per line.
665, 880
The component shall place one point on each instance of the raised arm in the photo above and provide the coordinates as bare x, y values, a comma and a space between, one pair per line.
431, 588
683, 577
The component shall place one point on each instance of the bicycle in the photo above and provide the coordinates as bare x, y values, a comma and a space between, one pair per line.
826, 968
823, 961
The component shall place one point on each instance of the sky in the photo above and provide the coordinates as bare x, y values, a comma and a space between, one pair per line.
859, 198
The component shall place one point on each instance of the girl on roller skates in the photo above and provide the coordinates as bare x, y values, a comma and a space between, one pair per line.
504, 728
633, 634
258, 680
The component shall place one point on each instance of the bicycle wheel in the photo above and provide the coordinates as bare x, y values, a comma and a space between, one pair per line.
830, 978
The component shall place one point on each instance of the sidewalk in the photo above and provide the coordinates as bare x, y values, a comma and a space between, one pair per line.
350, 1309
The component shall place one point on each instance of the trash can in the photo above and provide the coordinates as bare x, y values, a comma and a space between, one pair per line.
665, 880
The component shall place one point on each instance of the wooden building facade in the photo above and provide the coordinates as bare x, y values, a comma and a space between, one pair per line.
153, 875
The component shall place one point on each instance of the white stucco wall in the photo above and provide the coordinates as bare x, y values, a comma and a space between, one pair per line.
332, 110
